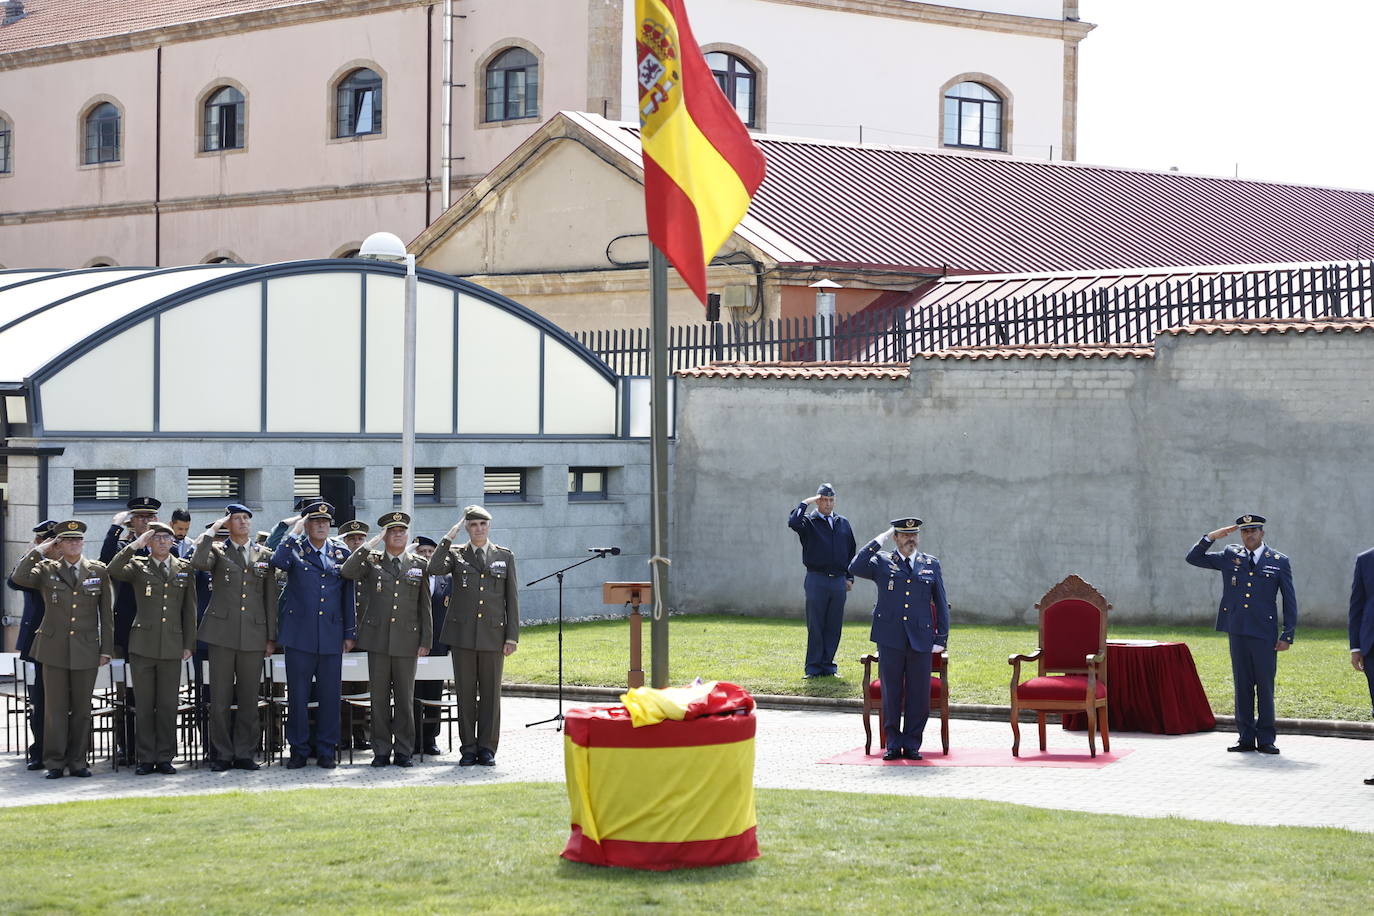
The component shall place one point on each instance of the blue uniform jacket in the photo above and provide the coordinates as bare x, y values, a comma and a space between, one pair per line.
903, 615
1361, 604
1249, 598
29, 623
823, 550
125, 604
438, 605
317, 610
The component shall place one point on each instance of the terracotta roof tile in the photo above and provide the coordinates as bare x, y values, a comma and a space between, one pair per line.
1077, 351
1273, 326
799, 370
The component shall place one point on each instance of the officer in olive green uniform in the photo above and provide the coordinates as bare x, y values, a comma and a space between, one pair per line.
353, 533
163, 636
482, 628
394, 628
76, 638
240, 627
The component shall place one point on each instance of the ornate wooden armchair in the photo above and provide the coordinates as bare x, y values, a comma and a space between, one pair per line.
1072, 663
939, 698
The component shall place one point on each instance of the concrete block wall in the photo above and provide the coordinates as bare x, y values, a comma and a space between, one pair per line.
1025, 470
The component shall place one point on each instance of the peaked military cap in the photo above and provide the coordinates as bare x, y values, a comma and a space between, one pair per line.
234, 508
71, 529
423, 541
394, 520
159, 528
143, 504
356, 526
826, 489
45, 527
475, 512
318, 509
907, 525
1251, 521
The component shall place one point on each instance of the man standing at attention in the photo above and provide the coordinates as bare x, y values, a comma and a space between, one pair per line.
482, 628
1253, 576
238, 628
910, 622
827, 547
1362, 623
317, 627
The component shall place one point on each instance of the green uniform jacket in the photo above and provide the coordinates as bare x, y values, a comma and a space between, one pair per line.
78, 623
242, 613
165, 622
393, 612
484, 612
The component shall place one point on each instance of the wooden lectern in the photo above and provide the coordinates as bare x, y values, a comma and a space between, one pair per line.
632, 594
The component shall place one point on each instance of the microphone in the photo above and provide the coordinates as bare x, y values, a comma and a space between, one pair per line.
602, 551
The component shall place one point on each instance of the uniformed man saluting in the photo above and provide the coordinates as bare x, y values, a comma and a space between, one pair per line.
239, 629
1252, 578
910, 621
74, 641
394, 628
163, 636
482, 628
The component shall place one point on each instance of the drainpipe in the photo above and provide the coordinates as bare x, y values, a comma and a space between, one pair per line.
446, 133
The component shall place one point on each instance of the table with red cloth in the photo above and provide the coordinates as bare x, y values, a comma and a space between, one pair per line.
1152, 687
678, 794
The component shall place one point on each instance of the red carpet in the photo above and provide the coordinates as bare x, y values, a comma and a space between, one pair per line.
985, 757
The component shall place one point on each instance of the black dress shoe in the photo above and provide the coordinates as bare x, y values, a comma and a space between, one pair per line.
1369, 781
893, 754
53, 774
432, 750
218, 766
402, 760
246, 763
486, 758
1241, 748
381, 760
295, 762
83, 773
1267, 749
143, 769
165, 768
326, 763
467, 760
362, 744
912, 755
34, 765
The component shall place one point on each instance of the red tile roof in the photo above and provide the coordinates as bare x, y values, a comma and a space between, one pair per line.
1273, 326
1085, 351
799, 370
54, 22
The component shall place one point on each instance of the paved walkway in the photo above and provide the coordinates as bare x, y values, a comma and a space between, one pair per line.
1315, 782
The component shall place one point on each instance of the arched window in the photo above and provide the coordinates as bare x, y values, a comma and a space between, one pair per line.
739, 83
102, 134
224, 117
6, 147
358, 104
973, 116
513, 86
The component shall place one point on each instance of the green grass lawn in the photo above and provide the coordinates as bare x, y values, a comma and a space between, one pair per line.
495, 849
765, 655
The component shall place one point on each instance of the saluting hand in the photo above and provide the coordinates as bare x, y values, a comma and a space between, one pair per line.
142, 539
1221, 532
297, 523
886, 535
121, 518
48, 548
453, 532
810, 500
374, 540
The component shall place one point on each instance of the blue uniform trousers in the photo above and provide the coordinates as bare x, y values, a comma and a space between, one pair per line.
327, 672
824, 617
1369, 676
1254, 662
905, 674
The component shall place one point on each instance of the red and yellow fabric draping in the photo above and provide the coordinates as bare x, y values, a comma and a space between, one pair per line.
679, 794
701, 167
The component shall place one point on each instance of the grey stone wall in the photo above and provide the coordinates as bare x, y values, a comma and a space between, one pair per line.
1025, 470
547, 531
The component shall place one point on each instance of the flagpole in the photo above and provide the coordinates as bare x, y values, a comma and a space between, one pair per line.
658, 463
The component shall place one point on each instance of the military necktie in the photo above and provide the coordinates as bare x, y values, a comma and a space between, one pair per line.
396, 567
243, 556
480, 555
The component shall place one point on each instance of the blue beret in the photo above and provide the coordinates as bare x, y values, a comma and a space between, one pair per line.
238, 507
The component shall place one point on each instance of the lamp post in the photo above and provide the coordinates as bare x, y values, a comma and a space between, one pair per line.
384, 246
825, 318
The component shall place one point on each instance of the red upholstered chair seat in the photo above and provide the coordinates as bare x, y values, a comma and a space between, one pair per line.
875, 689
1058, 687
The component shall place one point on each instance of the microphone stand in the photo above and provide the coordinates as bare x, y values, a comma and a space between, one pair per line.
559, 574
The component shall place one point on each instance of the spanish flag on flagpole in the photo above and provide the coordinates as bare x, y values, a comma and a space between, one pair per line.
700, 165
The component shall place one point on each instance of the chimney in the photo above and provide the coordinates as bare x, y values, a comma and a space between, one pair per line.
14, 11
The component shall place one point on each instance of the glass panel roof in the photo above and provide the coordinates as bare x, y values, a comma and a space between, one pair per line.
29, 344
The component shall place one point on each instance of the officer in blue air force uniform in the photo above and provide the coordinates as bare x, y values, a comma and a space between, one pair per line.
1253, 576
318, 626
827, 547
910, 621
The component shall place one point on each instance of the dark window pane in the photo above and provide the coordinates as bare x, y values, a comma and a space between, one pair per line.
5, 137
358, 104
504, 484
512, 86
219, 485
102, 486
